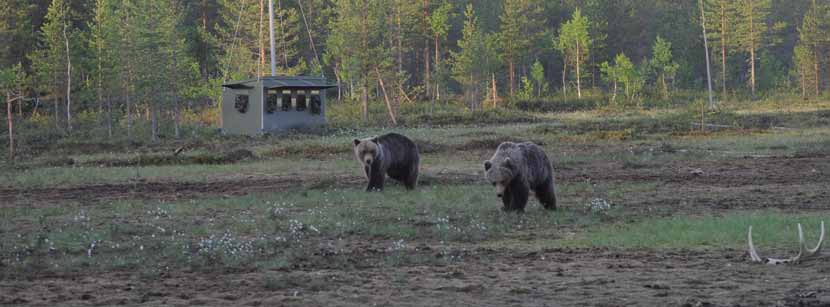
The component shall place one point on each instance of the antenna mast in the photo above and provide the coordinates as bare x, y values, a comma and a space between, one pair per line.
271, 32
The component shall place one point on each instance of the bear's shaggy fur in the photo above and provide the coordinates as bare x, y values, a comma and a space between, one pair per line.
517, 168
392, 154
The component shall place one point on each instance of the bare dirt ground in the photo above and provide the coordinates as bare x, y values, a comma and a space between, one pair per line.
479, 276
561, 277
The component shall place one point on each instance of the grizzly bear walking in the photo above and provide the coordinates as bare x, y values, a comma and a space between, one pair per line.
517, 168
392, 154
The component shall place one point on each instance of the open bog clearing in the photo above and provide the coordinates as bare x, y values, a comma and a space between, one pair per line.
649, 214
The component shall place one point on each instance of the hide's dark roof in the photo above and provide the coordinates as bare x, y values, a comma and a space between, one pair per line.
283, 82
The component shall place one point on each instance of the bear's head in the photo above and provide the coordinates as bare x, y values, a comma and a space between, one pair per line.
366, 151
499, 174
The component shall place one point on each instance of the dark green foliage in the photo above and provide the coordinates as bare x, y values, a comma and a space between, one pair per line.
138, 66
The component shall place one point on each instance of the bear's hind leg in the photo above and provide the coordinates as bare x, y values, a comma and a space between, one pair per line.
411, 180
546, 194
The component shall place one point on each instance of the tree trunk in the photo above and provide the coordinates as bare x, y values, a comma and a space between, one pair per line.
614, 95
495, 91
578, 85
109, 116
364, 98
512, 74
174, 82
565, 78
282, 38
723, 47
706, 52
665, 86
129, 106
426, 48
154, 122
100, 87
752, 70
437, 60
386, 98
399, 35
261, 66
818, 84
365, 75
11, 125
68, 83
339, 82
58, 103
751, 49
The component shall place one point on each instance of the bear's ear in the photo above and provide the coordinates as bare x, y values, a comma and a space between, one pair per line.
375, 139
487, 165
356, 142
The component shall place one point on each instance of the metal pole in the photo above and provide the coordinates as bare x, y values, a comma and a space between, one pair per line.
271, 31
706, 48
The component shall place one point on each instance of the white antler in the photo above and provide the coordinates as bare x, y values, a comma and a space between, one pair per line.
803, 252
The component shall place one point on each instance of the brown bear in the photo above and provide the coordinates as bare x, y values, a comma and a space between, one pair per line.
517, 168
392, 154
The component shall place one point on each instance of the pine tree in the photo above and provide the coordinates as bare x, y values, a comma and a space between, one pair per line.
356, 44
18, 32
103, 46
723, 22
183, 71
238, 39
754, 33
804, 61
288, 32
439, 25
814, 38
521, 27
475, 60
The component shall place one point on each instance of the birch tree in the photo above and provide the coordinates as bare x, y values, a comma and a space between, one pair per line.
663, 64
574, 43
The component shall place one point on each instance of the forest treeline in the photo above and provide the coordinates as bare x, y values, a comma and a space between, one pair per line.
119, 61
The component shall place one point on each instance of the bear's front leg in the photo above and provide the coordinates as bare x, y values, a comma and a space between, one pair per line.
519, 193
507, 200
376, 180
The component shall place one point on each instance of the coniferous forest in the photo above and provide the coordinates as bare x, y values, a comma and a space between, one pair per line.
414, 152
121, 66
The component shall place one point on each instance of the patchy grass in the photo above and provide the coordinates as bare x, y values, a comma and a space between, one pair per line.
771, 229
271, 230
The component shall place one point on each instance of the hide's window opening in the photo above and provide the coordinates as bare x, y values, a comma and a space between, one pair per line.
286, 101
272, 103
241, 103
316, 103
302, 104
